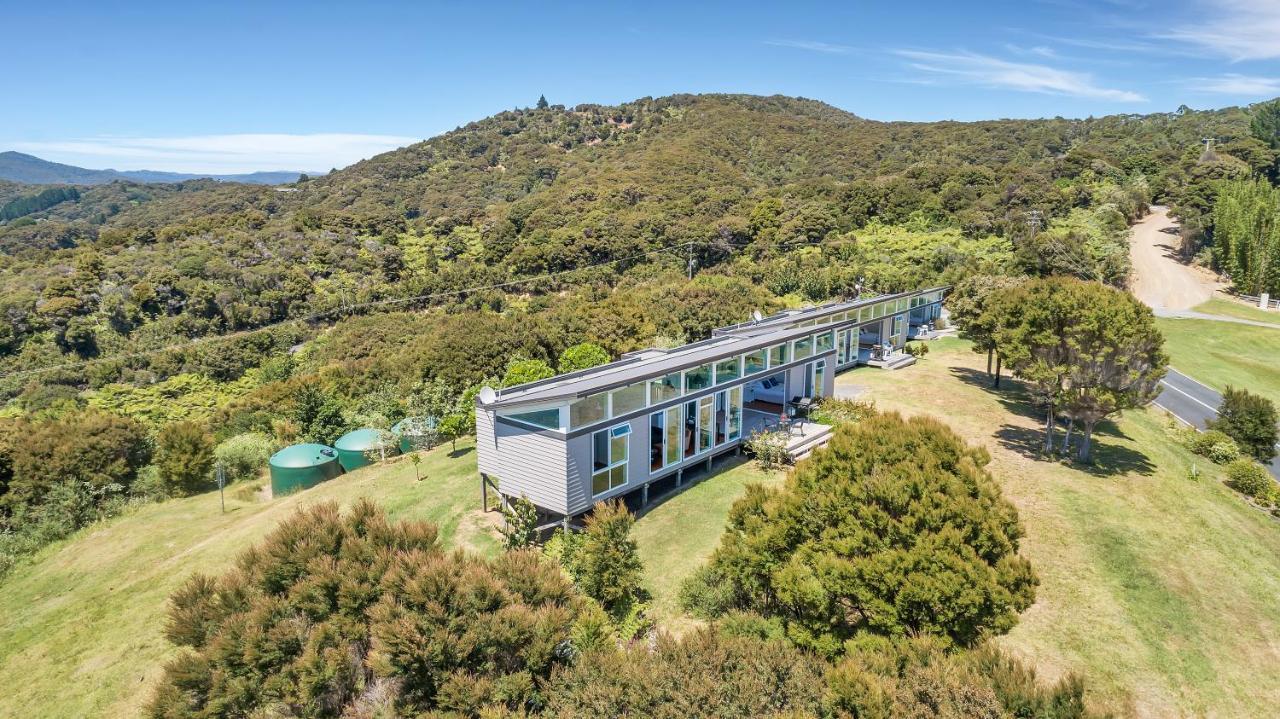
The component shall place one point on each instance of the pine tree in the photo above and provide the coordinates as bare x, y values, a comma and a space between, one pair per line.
542, 102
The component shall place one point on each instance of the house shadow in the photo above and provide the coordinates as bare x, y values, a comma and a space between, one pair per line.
1109, 458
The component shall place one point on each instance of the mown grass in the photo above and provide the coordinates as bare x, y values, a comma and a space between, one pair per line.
81, 625
678, 535
1231, 308
1225, 353
1158, 588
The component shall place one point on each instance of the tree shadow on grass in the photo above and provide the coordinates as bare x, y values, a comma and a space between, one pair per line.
1108, 458
462, 452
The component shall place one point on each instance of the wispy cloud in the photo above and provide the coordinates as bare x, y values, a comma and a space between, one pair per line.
219, 154
1236, 29
1037, 50
1233, 84
986, 71
812, 46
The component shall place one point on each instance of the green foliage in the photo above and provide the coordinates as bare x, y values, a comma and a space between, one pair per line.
319, 415
64, 508
705, 674
244, 456
521, 523
1215, 444
1246, 235
42, 200
768, 447
1087, 350
605, 565
520, 371
181, 397
454, 426
356, 616
184, 458
894, 527
1265, 123
917, 349
1250, 420
101, 451
834, 410
1250, 479
582, 356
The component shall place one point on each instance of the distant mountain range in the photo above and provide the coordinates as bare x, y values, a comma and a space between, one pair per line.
31, 170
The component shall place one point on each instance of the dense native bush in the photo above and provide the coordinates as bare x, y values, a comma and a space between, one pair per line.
705, 674
184, 458
353, 615
834, 410
894, 527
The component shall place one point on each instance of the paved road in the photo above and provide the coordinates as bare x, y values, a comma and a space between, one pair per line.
1191, 315
1195, 404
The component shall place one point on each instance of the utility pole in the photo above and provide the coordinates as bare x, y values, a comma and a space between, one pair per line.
222, 480
689, 247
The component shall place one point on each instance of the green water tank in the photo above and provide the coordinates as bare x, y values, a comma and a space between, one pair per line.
415, 433
301, 466
355, 447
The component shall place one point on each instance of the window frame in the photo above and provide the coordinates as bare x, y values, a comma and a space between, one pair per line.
609, 470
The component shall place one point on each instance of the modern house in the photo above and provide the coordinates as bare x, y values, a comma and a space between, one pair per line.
572, 440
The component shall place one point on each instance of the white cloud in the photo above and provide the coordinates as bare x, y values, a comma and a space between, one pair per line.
1236, 29
1233, 84
812, 46
986, 71
216, 154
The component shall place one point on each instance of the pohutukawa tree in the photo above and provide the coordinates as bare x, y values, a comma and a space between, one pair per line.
971, 306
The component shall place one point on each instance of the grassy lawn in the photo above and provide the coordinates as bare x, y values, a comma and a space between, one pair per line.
678, 535
1158, 588
1224, 353
80, 627
1231, 308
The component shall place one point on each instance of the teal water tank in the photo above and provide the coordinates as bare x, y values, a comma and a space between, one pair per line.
301, 466
356, 447
415, 433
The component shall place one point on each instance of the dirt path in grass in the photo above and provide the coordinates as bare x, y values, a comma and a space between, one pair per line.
1160, 279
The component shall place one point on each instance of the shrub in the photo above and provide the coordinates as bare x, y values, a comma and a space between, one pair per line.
769, 448
1250, 420
834, 410
521, 526
917, 349
244, 455
353, 615
184, 458
1215, 445
582, 356
1250, 478
607, 564
705, 674
935, 549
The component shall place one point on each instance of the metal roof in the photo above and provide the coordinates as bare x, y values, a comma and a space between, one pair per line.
650, 363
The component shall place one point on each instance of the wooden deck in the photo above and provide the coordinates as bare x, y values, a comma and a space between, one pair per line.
802, 438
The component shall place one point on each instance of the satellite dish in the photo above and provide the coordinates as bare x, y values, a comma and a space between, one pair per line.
755, 315
487, 395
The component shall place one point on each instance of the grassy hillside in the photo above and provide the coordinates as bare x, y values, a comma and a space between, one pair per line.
80, 628
1160, 589
1225, 353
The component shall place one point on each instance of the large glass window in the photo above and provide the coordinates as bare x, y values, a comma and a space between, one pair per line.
842, 347
588, 410
664, 388
753, 362
728, 370
628, 399
823, 341
675, 428
778, 355
704, 423
546, 418
735, 413
819, 378
697, 378
722, 418
609, 458
802, 348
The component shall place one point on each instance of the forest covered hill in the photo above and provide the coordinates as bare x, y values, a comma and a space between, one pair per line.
20, 167
128, 266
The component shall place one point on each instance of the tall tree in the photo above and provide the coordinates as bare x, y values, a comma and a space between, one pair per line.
972, 310
607, 562
542, 102
1246, 234
1265, 123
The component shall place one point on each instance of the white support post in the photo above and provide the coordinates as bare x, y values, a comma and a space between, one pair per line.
1264, 301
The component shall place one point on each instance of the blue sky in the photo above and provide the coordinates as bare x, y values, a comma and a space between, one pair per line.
226, 87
